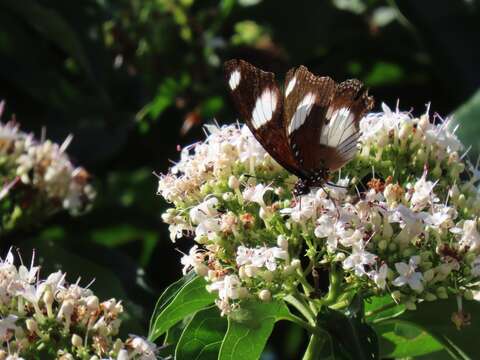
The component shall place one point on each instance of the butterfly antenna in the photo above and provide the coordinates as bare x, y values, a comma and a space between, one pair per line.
336, 185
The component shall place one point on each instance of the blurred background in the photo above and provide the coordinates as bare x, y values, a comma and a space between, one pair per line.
132, 79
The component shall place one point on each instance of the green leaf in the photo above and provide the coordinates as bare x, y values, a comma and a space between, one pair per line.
352, 337
379, 308
202, 337
467, 117
189, 298
399, 339
248, 333
435, 318
167, 296
52, 26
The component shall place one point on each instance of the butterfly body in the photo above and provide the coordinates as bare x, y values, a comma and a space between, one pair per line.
311, 129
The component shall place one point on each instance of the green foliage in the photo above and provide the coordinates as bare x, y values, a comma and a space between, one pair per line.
203, 336
466, 116
246, 337
177, 303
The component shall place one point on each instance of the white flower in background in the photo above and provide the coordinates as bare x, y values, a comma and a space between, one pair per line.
408, 275
358, 259
45, 167
70, 313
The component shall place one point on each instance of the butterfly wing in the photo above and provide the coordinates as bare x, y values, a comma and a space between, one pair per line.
260, 104
322, 119
307, 98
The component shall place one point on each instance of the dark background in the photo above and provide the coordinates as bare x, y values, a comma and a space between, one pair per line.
132, 79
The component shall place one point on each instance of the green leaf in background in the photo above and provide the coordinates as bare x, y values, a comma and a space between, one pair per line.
202, 337
435, 318
246, 338
52, 26
398, 340
190, 297
468, 116
351, 337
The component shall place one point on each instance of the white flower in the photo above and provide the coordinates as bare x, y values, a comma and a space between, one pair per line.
380, 276
256, 194
7, 323
476, 266
261, 257
423, 193
194, 259
408, 275
204, 211
228, 288
144, 349
470, 237
357, 261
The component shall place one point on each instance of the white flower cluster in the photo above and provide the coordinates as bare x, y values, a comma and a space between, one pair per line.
59, 320
42, 171
402, 217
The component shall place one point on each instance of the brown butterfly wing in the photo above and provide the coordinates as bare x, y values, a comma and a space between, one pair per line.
341, 130
260, 104
307, 98
322, 119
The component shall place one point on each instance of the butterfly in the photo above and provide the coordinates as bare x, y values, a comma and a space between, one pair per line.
311, 128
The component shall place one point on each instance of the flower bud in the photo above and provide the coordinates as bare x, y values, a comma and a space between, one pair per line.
242, 292
92, 303
267, 276
201, 269
382, 245
340, 257
442, 293
48, 299
233, 182
282, 242
265, 295
392, 247
396, 295
468, 295
428, 275
228, 196
76, 341
410, 305
32, 325
123, 355
251, 270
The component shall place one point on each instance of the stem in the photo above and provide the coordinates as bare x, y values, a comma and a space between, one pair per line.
315, 346
334, 290
380, 309
301, 307
296, 320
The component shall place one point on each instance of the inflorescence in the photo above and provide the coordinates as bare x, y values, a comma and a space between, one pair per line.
402, 218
